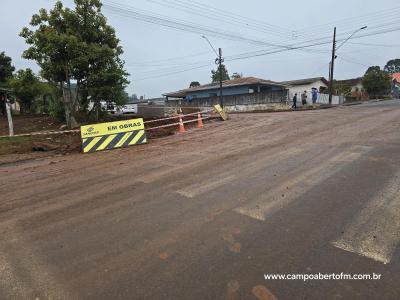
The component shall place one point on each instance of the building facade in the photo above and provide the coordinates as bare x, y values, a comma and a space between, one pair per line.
357, 89
307, 84
248, 93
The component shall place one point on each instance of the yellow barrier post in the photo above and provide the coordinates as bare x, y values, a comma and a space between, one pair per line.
221, 112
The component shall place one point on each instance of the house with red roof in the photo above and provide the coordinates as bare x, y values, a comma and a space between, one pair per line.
396, 85
396, 76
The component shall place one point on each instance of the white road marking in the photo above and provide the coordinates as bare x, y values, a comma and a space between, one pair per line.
202, 187
375, 232
284, 194
213, 182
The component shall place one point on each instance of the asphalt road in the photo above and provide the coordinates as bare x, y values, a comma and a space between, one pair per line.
207, 214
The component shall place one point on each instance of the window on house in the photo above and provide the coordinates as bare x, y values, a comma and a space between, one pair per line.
251, 91
213, 94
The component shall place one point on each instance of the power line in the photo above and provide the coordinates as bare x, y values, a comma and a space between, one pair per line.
195, 28
351, 60
216, 14
186, 26
261, 53
193, 7
173, 73
246, 55
354, 21
376, 45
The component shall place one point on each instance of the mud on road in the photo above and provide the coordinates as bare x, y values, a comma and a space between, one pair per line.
202, 215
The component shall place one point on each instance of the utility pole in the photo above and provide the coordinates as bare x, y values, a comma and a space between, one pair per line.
221, 96
9, 116
332, 66
218, 61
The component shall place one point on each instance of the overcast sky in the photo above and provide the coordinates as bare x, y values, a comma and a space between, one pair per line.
152, 50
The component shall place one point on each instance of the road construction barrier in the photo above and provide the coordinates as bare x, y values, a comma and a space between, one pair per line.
181, 126
198, 120
176, 124
112, 135
221, 112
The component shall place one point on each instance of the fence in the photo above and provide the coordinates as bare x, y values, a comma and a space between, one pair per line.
322, 99
245, 102
336, 100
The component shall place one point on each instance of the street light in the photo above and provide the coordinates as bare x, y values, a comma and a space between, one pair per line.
353, 34
332, 64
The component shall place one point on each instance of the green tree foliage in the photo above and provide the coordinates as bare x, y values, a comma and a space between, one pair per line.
6, 68
26, 87
79, 53
342, 88
215, 74
377, 83
237, 75
373, 69
194, 84
393, 66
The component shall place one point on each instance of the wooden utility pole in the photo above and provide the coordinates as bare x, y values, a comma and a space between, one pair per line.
332, 66
220, 61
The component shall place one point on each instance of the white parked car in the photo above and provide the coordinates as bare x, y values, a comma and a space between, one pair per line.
129, 109
112, 108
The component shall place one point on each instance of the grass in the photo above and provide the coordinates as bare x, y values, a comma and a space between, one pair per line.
12, 145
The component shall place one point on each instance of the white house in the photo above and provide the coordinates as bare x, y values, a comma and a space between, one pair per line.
301, 85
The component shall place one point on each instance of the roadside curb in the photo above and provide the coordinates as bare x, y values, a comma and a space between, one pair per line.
323, 106
353, 103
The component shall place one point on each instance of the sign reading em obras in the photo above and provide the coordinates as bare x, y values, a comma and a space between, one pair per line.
112, 135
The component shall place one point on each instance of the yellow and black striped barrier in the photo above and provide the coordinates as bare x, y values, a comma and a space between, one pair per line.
112, 135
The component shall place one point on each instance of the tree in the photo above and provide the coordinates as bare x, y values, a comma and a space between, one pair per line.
194, 84
237, 75
393, 66
6, 73
6, 68
342, 88
377, 82
79, 53
215, 74
373, 69
26, 86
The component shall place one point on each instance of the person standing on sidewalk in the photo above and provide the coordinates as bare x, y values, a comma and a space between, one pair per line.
314, 95
304, 98
295, 101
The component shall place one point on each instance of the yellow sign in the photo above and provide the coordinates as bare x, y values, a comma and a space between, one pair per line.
112, 135
221, 112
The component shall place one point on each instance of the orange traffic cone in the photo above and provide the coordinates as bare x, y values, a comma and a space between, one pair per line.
199, 121
181, 126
